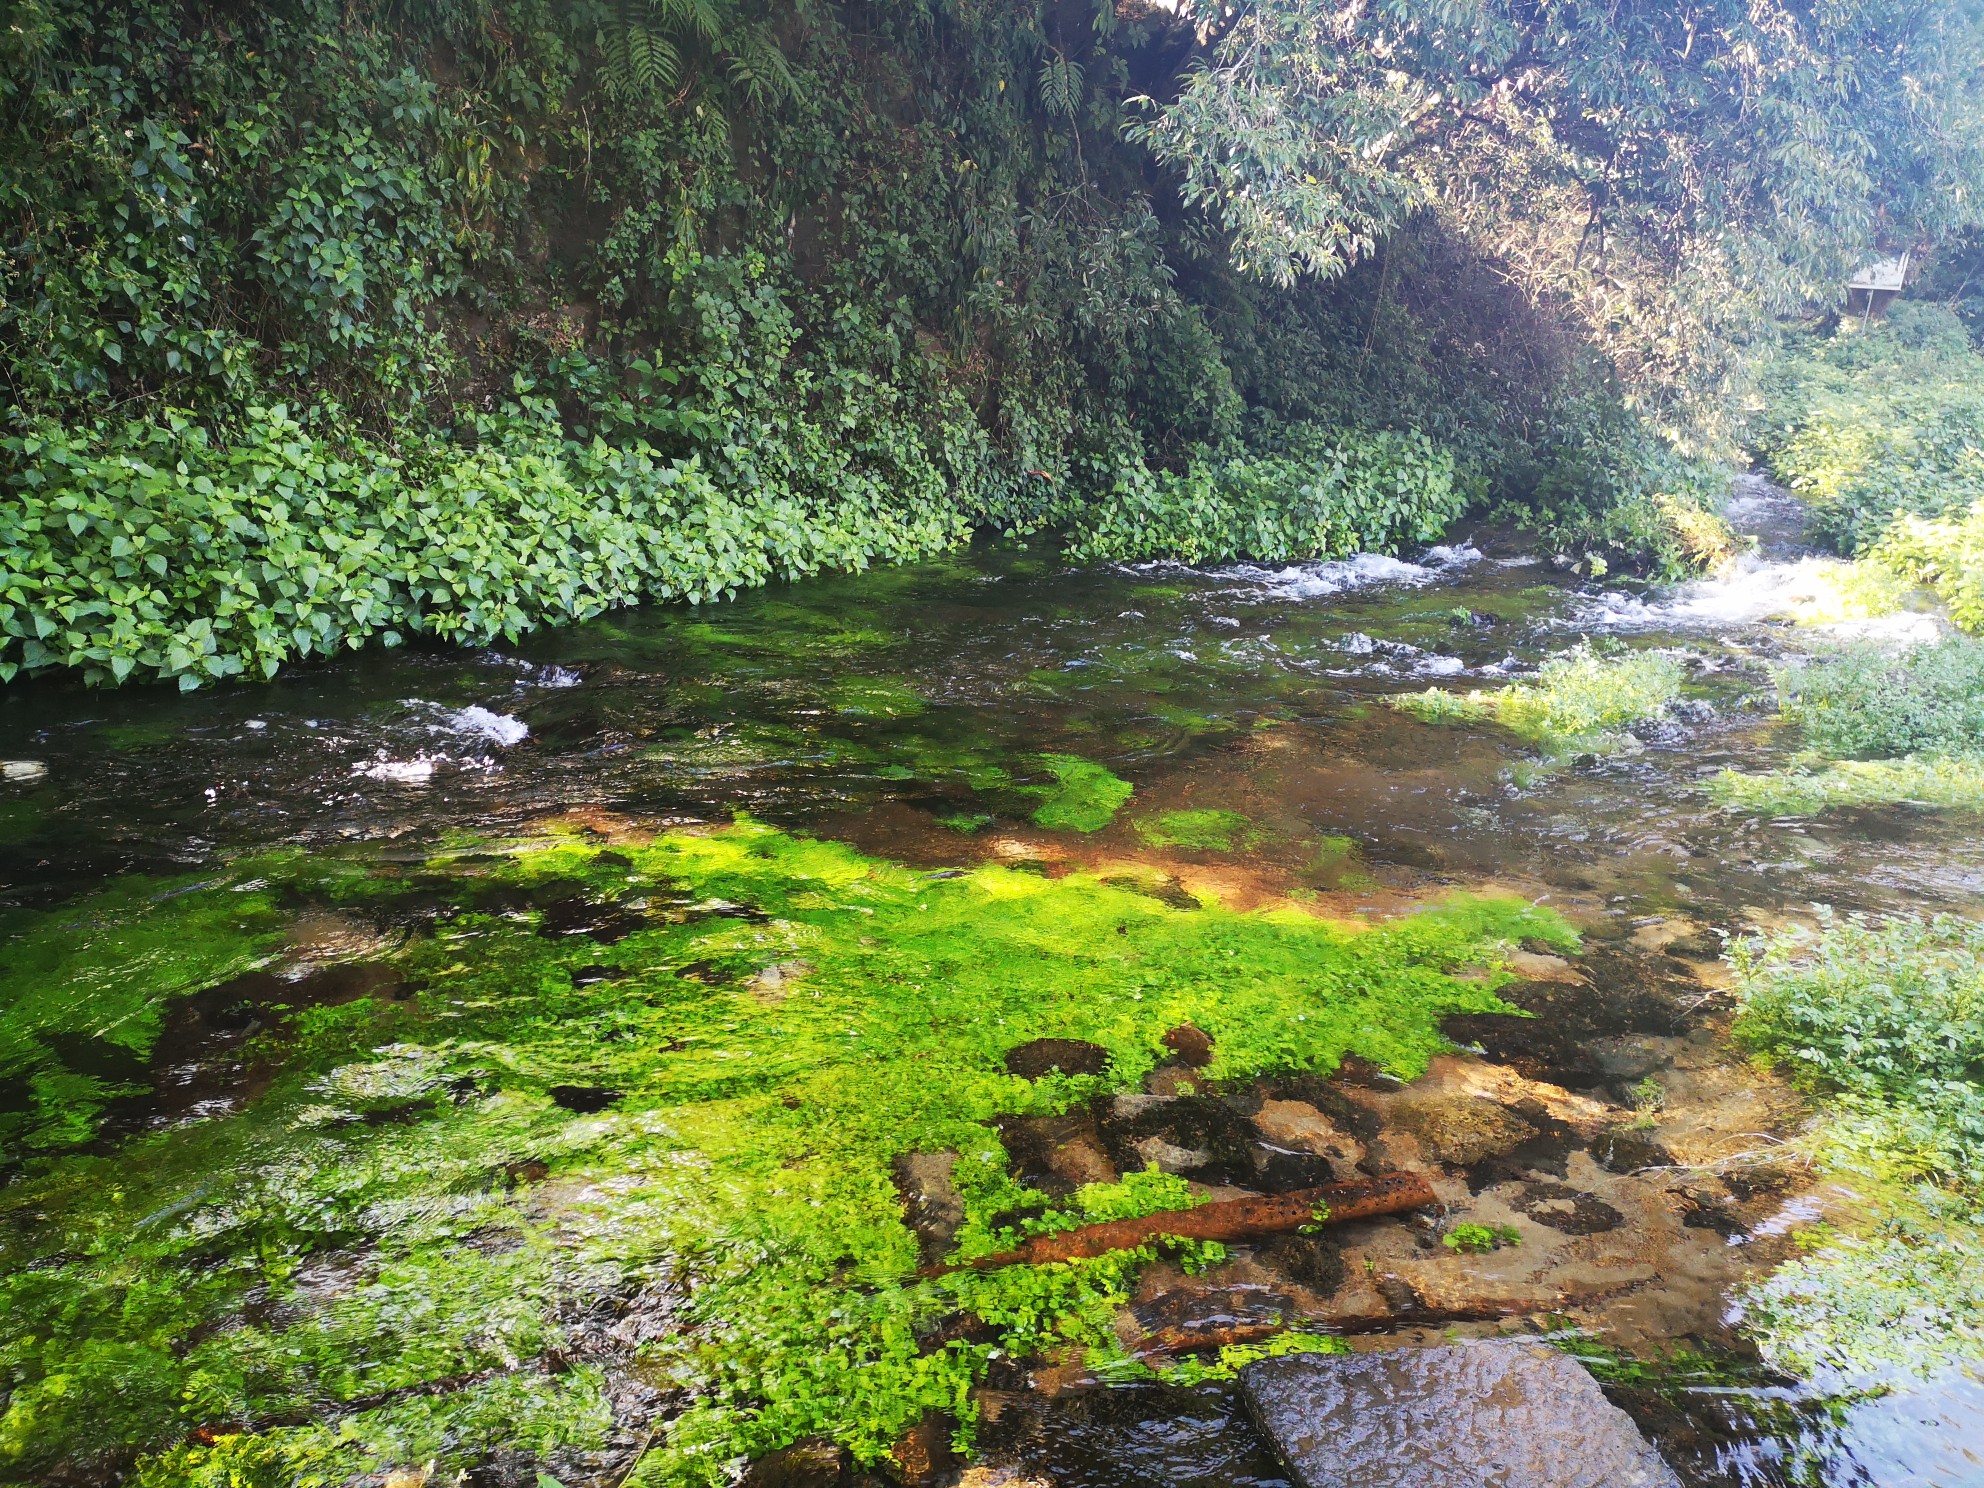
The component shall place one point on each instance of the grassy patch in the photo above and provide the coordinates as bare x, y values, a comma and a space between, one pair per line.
1085, 797
1578, 703
1953, 782
380, 1260
1884, 1024
1198, 831
1882, 729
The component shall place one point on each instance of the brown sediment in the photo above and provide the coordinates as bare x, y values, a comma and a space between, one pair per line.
1231, 1219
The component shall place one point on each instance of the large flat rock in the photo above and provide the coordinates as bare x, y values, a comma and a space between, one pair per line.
1488, 1415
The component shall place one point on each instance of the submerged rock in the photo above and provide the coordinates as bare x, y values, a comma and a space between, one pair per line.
1045, 1056
1191, 1045
813, 1463
931, 1202
1514, 1415
1460, 1129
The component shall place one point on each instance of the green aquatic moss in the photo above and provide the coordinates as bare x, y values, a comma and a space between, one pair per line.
1085, 798
877, 697
1951, 782
84, 989
1578, 703
380, 1258
1198, 831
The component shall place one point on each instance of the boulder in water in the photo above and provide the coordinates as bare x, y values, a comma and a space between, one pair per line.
1504, 1415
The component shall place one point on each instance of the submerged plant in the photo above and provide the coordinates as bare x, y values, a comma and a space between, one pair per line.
1198, 830
385, 1256
1480, 1239
1086, 796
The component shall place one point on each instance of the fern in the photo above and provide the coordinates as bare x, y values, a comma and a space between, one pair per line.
1060, 86
652, 47
757, 66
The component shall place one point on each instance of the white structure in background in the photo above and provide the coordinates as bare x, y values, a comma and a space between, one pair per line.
1874, 288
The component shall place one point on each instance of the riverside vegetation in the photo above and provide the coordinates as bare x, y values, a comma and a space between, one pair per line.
330, 324
350, 1132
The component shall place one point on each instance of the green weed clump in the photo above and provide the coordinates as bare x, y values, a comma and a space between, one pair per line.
1580, 702
1085, 797
1205, 830
1944, 553
1881, 728
1953, 782
1480, 1239
388, 1254
1884, 1024
1864, 702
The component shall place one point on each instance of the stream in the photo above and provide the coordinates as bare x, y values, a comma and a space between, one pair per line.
905, 712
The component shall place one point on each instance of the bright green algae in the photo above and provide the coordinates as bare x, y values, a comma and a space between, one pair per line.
389, 1257
84, 989
1198, 830
1085, 797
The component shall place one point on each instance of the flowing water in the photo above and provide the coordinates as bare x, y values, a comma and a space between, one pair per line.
908, 712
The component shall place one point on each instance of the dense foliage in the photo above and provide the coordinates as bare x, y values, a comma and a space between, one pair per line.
325, 322
1879, 727
1881, 428
1867, 703
1665, 174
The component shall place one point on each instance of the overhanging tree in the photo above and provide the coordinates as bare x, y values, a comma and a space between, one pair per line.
1668, 174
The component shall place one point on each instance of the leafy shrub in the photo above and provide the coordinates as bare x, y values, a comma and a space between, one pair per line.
1867, 703
1322, 496
1621, 500
1872, 423
1887, 1013
1884, 1023
153, 550
1579, 702
1945, 553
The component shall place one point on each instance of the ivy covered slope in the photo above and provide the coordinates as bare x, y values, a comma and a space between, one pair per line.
605, 1161
325, 323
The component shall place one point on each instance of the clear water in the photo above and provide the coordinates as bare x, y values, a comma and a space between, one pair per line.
874, 707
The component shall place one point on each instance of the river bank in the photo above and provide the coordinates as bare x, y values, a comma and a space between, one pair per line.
455, 965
